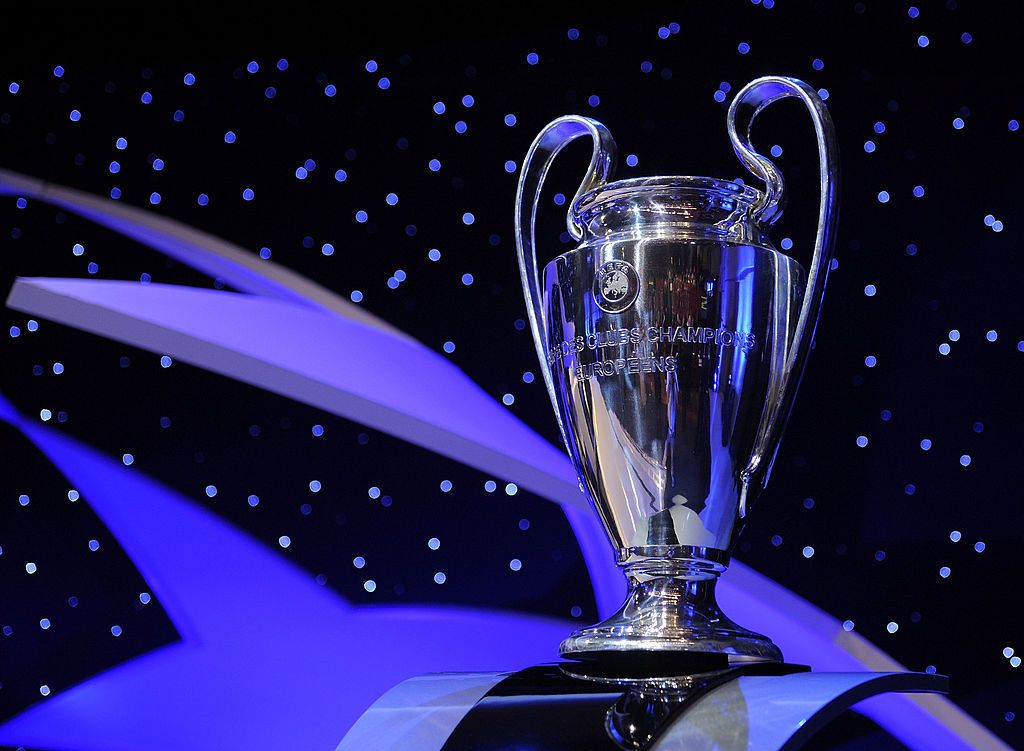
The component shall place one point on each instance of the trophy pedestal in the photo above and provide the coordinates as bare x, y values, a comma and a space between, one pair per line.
762, 706
670, 623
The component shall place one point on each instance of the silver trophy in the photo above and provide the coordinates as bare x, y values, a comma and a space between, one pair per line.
672, 340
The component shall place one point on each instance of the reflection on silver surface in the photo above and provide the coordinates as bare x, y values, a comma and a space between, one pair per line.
671, 340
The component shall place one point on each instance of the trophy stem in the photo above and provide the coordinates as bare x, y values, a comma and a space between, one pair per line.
671, 618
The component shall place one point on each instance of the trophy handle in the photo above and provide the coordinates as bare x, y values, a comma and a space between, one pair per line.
749, 102
555, 136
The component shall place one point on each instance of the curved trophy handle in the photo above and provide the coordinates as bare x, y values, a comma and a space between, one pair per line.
749, 102
555, 136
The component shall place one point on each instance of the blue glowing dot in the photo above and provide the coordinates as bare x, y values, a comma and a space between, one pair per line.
913, 12
58, 368
327, 249
911, 249
892, 627
965, 460
883, 196
439, 108
533, 58
510, 120
391, 199
870, 290
922, 41
468, 218
330, 89
663, 32
918, 191
719, 96
253, 67
467, 279
440, 578
341, 175
433, 543
371, 66
392, 283
958, 123
158, 164
384, 83
115, 192
978, 427
121, 144
776, 151
58, 71
127, 459
31, 567
646, 66
24, 500
154, 198
434, 165
490, 486
400, 275
146, 97
14, 88
954, 335
511, 489
230, 137
94, 545
909, 489
309, 164
966, 38
114, 168
248, 194
869, 147
674, 27
21, 203
178, 116
808, 551
573, 34
926, 444
461, 127
879, 127
315, 486
944, 349
189, 79
301, 173
1013, 125
593, 100
786, 243
370, 585
15, 332
631, 160
823, 93
446, 486
203, 199
356, 296
997, 226
743, 48
559, 199
515, 564
75, 116
362, 216
32, 325
284, 541
508, 400
449, 347
817, 63
991, 335
165, 361
862, 441
979, 547
870, 361
45, 414
945, 571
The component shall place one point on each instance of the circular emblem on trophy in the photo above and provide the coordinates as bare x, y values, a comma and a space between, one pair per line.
616, 286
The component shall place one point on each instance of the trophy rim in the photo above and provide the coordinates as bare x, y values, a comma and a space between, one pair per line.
734, 189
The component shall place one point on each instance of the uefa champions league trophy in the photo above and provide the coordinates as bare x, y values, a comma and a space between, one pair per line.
672, 340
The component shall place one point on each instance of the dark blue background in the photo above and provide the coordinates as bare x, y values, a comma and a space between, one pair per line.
934, 262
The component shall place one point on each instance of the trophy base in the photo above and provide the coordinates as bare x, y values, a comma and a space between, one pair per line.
668, 624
